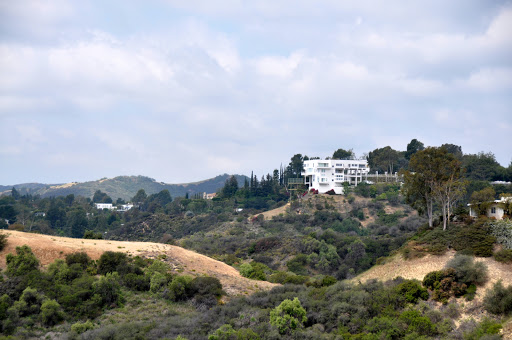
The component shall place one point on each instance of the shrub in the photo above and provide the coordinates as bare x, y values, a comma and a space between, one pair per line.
225, 332
3, 241
288, 316
107, 290
136, 282
81, 327
51, 313
158, 282
89, 234
475, 238
206, 286
502, 230
411, 290
418, 323
503, 255
467, 270
23, 262
178, 289
498, 300
79, 257
485, 328
109, 261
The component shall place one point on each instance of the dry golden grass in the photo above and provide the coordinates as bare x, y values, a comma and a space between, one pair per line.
49, 248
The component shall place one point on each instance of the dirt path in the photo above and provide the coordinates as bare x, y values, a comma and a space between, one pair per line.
49, 248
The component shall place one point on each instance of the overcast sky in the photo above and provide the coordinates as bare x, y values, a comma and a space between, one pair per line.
185, 90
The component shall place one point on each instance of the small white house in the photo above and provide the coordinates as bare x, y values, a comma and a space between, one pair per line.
495, 210
102, 206
330, 174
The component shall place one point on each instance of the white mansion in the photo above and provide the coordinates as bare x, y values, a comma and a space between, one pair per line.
327, 174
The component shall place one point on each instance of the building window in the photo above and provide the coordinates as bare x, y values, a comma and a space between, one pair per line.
493, 210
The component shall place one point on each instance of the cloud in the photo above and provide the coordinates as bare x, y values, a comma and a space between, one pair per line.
235, 87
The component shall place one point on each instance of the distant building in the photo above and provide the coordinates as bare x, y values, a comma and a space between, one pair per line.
102, 206
330, 174
125, 207
40, 214
209, 196
495, 210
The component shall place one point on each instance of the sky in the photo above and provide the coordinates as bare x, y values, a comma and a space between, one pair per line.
182, 91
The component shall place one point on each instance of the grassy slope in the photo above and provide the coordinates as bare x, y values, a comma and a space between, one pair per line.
49, 248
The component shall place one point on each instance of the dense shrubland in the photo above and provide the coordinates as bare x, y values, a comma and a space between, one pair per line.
136, 298
81, 289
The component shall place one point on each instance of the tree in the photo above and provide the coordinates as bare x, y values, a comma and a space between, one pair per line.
101, 197
383, 159
455, 150
413, 147
450, 187
140, 196
288, 316
296, 166
15, 194
481, 200
436, 177
230, 187
482, 166
343, 154
77, 222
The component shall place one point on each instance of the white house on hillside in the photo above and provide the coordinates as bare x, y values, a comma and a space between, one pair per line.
327, 174
496, 209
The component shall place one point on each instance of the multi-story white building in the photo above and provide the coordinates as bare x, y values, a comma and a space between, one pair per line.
101, 206
327, 174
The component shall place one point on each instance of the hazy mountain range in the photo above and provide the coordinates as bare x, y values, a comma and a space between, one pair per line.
124, 187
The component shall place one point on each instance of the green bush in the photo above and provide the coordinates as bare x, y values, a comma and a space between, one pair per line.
288, 316
107, 290
3, 241
503, 255
91, 235
485, 328
136, 282
412, 291
498, 299
287, 277
205, 286
22, 263
158, 282
178, 289
467, 270
475, 239
81, 327
254, 270
297, 264
417, 323
109, 261
51, 313
78, 257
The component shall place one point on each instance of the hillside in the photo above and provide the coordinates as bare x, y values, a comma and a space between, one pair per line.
419, 267
124, 187
49, 248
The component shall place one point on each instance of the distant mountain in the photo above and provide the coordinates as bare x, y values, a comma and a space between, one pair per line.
124, 187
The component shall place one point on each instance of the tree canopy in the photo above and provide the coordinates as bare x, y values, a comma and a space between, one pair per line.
343, 154
436, 179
